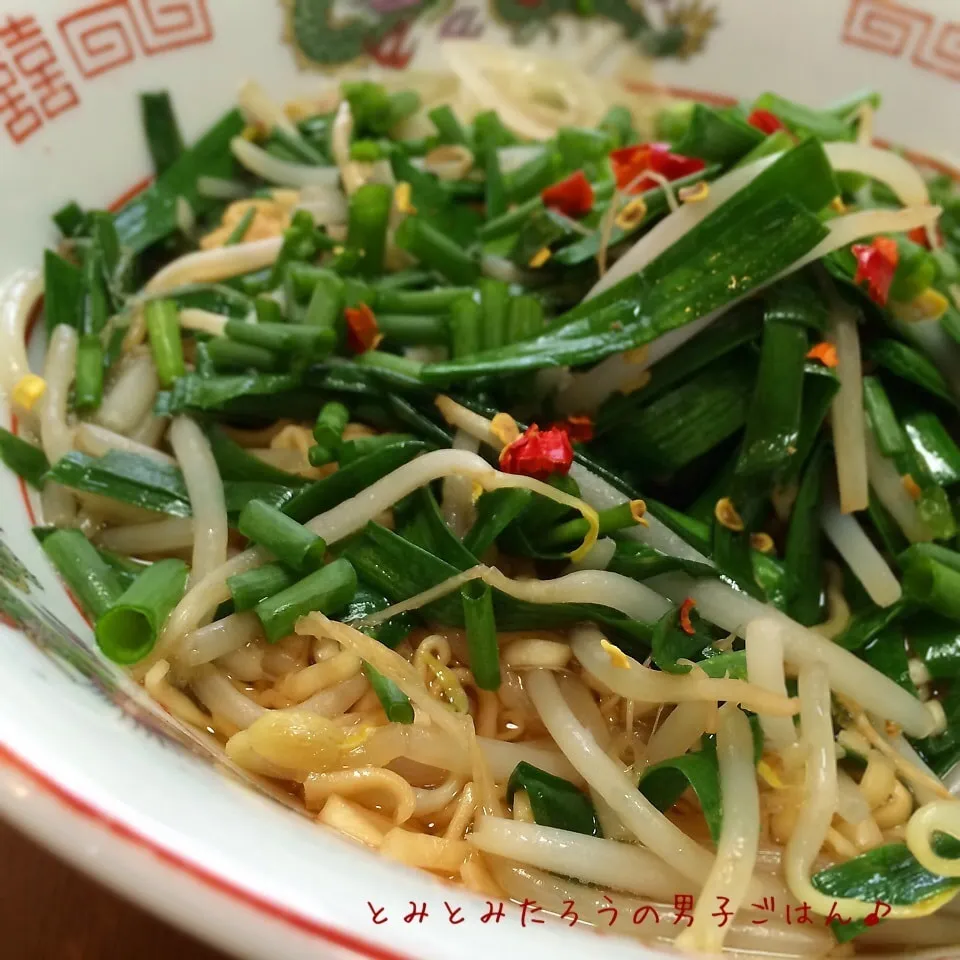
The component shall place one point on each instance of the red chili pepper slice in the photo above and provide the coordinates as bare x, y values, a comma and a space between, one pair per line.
919, 235
685, 625
630, 163
877, 263
572, 196
538, 453
765, 121
578, 429
362, 331
825, 352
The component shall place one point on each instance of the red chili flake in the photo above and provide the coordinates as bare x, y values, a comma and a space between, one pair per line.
825, 352
629, 163
362, 331
919, 235
578, 429
538, 453
685, 625
765, 121
877, 263
572, 196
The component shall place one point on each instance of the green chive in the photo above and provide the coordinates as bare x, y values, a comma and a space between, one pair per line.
447, 124
331, 421
225, 354
86, 573
367, 226
396, 704
494, 302
465, 328
23, 458
481, 627
240, 230
525, 319
411, 330
495, 189
352, 450
249, 588
438, 300
128, 630
303, 340
573, 531
268, 310
931, 577
326, 301
328, 590
511, 221
886, 428
163, 328
803, 553
528, 180
88, 380
160, 126
435, 249
293, 543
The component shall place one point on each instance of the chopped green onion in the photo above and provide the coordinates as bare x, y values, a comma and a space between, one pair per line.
293, 543
237, 234
267, 309
411, 330
225, 354
163, 328
249, 588
326, 301
555, 802
367, 228
573, 531
298, 338
353, 450
328, 430
92, 580
88, 381
436, 250
494, 303
347, 482
439, 300
803, 553
524, 319
160, 126
23, 458
886, 428
773, 424
931, 578
481, 628
447, 124
128, 630
396, 704
466, 319
328, 590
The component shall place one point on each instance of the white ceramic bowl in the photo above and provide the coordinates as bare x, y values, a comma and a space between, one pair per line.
87, 765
